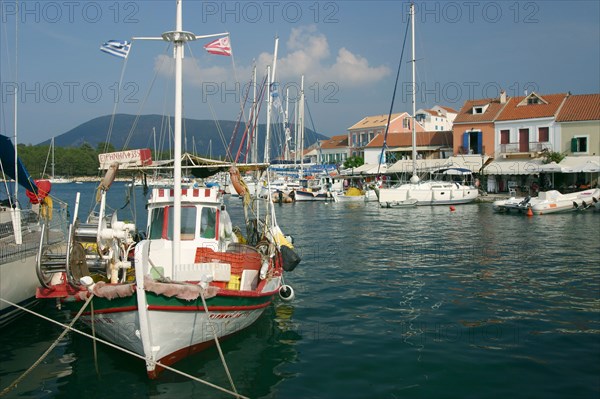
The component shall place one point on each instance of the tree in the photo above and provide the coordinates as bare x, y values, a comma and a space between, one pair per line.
353, 162
552, 156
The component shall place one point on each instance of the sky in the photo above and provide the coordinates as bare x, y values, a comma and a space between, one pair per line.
348, 52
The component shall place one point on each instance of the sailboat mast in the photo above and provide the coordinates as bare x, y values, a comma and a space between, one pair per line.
253, 146
301, 132
414, 92
288, 138
16, 100
52, 145
266, 158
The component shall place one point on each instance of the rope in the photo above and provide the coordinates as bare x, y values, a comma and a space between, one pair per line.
164, 366
212, 327
14, 384
94, 340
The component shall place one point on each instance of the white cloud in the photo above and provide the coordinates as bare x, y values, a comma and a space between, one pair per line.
306, 53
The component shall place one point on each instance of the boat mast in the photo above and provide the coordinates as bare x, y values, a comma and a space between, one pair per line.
269, 102
253, 145
301, 130
414, 178
271, 82
286, 127
52, 145
16, 209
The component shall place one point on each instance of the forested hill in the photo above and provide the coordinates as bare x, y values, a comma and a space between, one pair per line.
201, 133
76, 151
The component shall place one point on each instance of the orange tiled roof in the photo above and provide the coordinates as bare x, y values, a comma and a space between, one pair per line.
449, 109
441, 138
374, 121
515, 110
335, 142
466, 115
582, 107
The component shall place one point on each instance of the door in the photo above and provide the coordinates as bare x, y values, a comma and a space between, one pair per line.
523, 140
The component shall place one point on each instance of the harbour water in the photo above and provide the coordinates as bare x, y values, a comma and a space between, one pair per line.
390, 303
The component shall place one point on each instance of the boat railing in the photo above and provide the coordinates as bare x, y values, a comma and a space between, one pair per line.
31, 221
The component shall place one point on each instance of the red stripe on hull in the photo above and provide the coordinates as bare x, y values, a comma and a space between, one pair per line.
113, 310
210, 308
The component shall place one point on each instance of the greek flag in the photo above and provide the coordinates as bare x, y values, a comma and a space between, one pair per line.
275, 95
118, 48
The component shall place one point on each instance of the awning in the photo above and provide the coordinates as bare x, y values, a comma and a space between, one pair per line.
513, 167
581, 164
366, 169
423, 165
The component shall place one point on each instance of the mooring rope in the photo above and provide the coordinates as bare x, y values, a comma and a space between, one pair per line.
210, 384
212, 326
14, 384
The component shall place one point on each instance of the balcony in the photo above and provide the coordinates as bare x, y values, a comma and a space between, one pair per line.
517, 148
466, 151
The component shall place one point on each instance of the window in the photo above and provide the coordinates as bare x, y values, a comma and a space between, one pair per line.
504, 136
156, 223
406, 123
163, 217
543, 134
478, 110
579, 144
188, 222
533, 100
208, 222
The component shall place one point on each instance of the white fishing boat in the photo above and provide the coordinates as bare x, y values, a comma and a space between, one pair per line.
193, 280
318, 188
550, 202
352, 194
417, 191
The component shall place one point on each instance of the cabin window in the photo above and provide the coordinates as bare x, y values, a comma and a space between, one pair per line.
157, 223
208, 223
188, 223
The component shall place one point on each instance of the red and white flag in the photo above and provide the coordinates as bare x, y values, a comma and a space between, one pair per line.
220, 46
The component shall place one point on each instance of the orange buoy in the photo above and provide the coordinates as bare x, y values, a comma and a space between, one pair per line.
452, 209
529, 212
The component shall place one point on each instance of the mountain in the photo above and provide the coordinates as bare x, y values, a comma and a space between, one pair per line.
204, 133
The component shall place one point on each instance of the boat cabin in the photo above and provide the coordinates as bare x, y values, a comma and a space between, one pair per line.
205, 223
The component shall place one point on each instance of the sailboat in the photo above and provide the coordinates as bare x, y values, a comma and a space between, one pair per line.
23, 231
193, 280
416, 191
53, 178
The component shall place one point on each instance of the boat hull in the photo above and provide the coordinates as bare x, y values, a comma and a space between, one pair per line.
310, 196
550, 202
428, 193
179, 328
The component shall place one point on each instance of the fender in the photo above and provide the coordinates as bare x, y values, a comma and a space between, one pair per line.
236, 181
